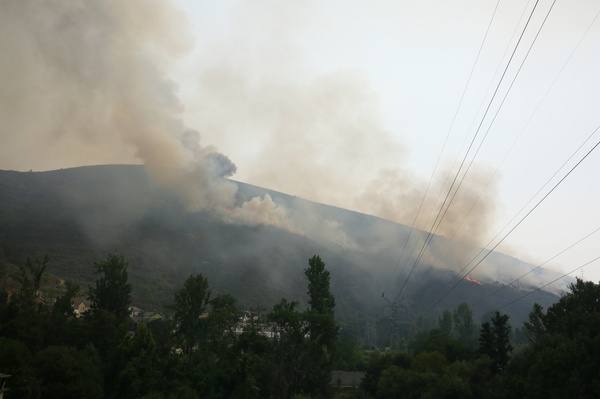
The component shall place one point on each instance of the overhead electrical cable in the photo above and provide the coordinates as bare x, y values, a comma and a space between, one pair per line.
587, 154
520, 134
498, 110
530, 200
431, 231
450, 128
550, 259
549, 283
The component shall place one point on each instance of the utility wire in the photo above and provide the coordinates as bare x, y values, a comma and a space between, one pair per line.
453, 121
531, 199
435, 222
536, 109
587, 154
481, 106
498, 110
550, 259
549, 283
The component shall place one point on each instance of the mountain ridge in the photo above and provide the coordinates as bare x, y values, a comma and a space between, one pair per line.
77, 215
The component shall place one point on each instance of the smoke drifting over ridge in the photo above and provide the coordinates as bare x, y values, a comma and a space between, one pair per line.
87, 82
318, 136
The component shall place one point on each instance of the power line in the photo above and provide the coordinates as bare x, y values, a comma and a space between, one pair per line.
521, 220
549, 283
453, 121
531, 199
435, 222
537, 107
498, 110
550, 259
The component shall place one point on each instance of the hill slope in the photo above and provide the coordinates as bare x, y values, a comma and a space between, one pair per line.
78, 215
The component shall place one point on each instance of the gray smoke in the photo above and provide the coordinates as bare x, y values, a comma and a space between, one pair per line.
319, 136
85, 82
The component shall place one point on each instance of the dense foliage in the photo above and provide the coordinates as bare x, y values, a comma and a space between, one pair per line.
206, 347
560, 360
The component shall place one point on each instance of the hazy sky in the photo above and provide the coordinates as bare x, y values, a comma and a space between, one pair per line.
414, 58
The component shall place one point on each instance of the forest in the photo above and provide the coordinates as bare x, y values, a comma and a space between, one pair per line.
205, 346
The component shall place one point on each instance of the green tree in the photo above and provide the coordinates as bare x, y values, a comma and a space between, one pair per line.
63, 306
503, 348
445, 322
486, 340
563, 358
322, 327
534, 327
15, 360
191, 306
63, 327
64, 372
290, 361
464, 327
140, 373
29, 278
112, 291
222, 319
494, 341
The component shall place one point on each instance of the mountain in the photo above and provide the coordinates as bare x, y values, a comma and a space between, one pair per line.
76, 216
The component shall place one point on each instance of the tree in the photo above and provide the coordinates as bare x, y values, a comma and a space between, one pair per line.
15, 360
319, 297
191, 305
503, 347
63, 306
30, 279
486, 340
445, 323
534, 328
322, 327
563, 358
140, 371
576, 314
290, 367
64, 372
112, 292
463, 325
62, 324
494, 341
222, 318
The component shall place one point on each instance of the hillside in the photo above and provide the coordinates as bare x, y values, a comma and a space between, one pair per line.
78, 215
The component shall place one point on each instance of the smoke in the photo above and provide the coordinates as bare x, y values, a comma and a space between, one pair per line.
262, 210
395, 195
86, 82
319, 136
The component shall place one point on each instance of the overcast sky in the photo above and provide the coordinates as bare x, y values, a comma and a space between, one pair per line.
414, 59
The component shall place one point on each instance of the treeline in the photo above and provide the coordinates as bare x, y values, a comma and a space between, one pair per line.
203, 349
559, 358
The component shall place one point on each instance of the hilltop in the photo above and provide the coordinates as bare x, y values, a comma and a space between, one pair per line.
76, 216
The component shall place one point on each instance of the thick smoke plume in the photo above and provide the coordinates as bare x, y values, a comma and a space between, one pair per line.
318, 136
86, 82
